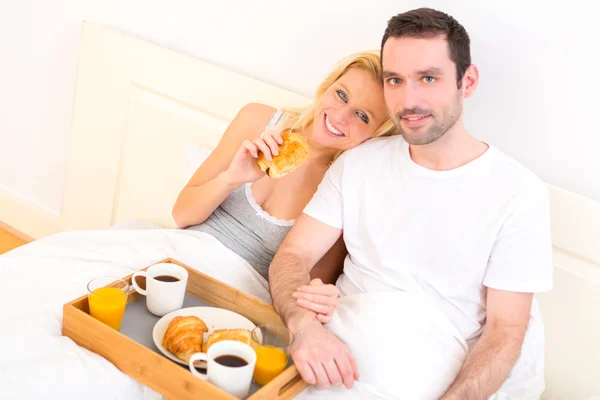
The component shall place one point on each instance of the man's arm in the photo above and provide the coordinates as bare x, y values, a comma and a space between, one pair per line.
305, 244
321, 358
489, 363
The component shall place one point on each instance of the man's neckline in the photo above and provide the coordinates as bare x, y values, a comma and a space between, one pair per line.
474, 165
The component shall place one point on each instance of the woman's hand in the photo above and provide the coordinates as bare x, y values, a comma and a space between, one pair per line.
243, 167
318, 297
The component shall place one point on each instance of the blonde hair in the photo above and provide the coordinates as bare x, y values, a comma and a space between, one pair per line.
298, 119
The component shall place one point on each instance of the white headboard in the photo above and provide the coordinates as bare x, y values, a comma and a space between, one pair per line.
135, 105
571, 310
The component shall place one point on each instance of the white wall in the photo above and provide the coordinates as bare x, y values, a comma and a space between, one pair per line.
537, 99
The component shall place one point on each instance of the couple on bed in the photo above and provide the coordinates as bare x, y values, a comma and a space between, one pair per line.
442, 239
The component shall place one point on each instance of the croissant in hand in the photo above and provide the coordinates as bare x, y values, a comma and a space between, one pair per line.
292, 153
184, 336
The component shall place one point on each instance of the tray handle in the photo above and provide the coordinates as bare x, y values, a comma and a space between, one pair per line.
286, 386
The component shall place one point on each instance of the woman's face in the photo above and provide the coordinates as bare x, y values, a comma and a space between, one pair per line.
350, 111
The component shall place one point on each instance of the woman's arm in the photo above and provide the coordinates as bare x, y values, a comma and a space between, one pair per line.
330, 267
212, 183
321, 294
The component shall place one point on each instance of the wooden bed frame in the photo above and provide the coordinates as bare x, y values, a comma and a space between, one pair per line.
136, 103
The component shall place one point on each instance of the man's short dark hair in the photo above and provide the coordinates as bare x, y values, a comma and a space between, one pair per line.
429, 23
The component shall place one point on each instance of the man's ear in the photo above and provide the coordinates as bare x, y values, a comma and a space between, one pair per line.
470, 80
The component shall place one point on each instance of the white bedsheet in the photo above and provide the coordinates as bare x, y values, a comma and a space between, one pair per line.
404, 347
36, 361
38, 278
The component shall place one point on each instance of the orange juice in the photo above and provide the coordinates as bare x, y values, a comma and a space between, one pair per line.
270, 362
107, 304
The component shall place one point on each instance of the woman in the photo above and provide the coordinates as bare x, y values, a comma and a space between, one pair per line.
227, 189
231, 198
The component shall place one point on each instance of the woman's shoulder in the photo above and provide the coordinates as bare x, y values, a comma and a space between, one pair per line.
375, 147
250, 121
257, 114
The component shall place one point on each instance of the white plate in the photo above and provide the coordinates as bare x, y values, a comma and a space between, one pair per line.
214, 318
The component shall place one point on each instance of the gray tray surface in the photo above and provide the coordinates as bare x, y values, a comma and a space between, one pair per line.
138, 324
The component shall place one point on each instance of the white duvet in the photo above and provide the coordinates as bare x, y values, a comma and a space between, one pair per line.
36, 361
404, 348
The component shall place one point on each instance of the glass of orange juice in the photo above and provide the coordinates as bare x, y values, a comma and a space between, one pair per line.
107, 299
272, 344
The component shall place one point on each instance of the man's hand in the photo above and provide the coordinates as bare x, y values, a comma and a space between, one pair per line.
321, 358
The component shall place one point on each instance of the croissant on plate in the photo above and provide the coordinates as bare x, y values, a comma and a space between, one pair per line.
239, 335
184, 336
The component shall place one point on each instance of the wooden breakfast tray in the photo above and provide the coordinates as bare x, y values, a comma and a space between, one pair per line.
133, 352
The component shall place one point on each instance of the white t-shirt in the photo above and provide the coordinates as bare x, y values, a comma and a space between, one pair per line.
448, 234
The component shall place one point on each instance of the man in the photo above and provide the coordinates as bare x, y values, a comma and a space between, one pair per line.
434, 211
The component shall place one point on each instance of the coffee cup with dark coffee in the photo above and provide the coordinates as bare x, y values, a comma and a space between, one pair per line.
229, 365
165, 287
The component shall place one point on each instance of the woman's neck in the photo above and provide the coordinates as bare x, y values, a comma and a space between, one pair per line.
319, 154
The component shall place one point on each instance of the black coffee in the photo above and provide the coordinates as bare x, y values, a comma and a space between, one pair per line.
166, 278
231, 361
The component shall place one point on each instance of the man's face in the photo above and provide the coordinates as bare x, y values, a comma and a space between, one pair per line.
420, 87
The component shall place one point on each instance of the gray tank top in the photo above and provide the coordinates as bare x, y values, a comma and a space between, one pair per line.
245, 228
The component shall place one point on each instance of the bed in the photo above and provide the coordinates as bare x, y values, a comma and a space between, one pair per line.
144, 116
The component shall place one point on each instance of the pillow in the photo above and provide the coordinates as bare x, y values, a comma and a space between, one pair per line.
195, 156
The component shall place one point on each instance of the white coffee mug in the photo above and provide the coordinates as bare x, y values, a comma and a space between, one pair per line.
165, 287
234, 380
